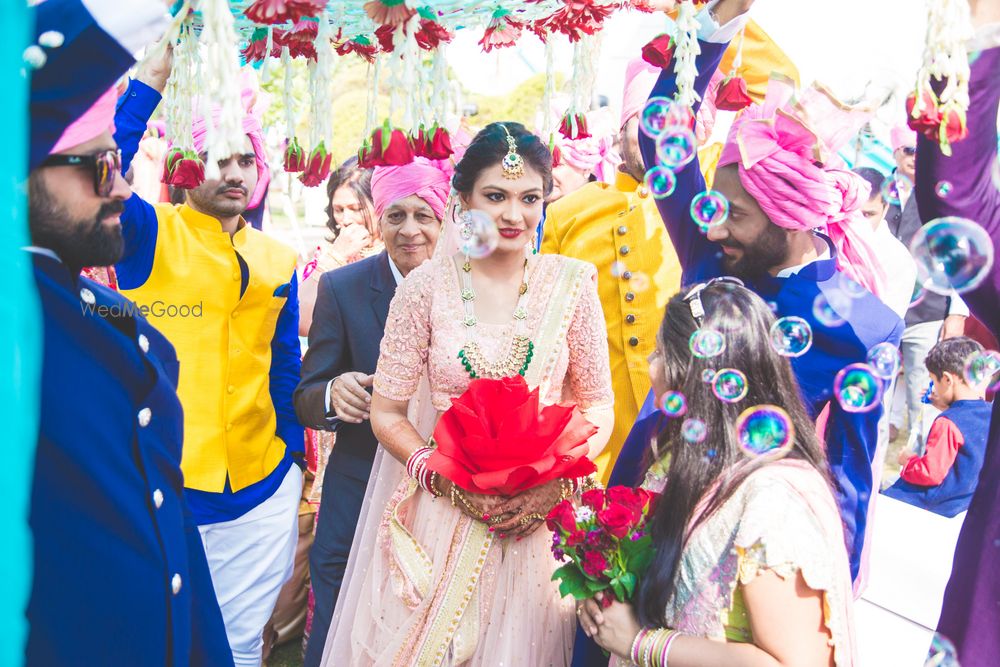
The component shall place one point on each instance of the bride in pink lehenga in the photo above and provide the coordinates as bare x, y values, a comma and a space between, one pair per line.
428, 582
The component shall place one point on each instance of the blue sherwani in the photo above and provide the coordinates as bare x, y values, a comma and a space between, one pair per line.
120, 572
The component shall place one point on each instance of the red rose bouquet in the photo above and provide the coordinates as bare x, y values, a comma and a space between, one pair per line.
606, 541
494, 440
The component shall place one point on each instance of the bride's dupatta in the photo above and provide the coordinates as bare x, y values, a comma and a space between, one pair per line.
413, 590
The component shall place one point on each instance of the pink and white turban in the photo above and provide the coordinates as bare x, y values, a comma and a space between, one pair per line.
640, 77
199, 128
595, 154
786, 153
902, 136
98, 118
421, 178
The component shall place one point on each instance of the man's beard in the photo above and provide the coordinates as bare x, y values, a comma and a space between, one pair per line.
765, 252
78, 243
216, 205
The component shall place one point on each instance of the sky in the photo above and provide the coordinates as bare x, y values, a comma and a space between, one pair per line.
844, 44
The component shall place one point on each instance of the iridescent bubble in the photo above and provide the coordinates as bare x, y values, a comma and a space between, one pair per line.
791, 336
857, 388
673, 404
853, 289
891, 189
676, 147
709, 209
765, 430
831, 309
707, 343
661, 113
477, 234
617, 269
919, 292
660, 182
708, 375
729, 385
884, 360
693, 430
952, 253
941, 653
983, 370
639, 282
943, 189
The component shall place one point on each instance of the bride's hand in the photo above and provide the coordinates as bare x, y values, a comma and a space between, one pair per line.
529, 509
476, 506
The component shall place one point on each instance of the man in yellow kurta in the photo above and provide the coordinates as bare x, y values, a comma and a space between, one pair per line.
618, 229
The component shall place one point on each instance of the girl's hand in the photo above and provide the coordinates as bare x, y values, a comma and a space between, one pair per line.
613, 628
528, 509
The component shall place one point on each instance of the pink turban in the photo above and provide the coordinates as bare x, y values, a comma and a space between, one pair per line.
786, 153
594, 155
640, 77
421, 178
97, 119
251, 125
901, 136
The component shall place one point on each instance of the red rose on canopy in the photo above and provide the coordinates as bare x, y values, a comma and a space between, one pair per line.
390, 147
494, 439
183, 169
366, 155
928, 120
300, 40
659, 51
318, 168
295, 157
732, 94
952, 126
282, 11
432, 34
502, 31
574, 126
439, 144
360, 45
556, 157
384, 34
388, 12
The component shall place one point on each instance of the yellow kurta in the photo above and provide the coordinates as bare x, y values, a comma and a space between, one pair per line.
618, 229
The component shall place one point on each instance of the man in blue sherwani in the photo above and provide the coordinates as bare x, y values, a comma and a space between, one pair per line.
120, 576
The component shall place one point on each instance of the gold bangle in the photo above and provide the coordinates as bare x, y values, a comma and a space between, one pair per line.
528, 518
435, 490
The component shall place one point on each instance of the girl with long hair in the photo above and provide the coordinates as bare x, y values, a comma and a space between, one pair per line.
433, 581
751, 565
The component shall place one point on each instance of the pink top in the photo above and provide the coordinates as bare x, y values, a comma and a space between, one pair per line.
425, 325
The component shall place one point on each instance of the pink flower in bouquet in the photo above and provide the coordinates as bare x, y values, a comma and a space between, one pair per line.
495, 440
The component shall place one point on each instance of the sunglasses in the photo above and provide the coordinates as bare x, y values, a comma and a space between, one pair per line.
106, 166
693, 297
909, 151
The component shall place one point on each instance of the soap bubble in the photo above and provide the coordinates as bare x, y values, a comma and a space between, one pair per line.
765, 430
943, 189
729, 385
707, 343
708, 375
941, 653
660, 182
791, 336
617, 269
884, 360
891, 189
693, 430
639, 282
477, 234
919, 292
857, 388
661, 113
853, 289
676, 147
831, 309
983, 370
673, 404
952, 253
35, 57
709, 209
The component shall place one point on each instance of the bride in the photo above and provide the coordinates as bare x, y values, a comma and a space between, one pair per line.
430, 582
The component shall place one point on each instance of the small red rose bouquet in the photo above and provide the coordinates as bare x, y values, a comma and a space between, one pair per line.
494, 440
606, 541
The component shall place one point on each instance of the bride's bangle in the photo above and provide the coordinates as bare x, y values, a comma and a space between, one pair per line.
416, 467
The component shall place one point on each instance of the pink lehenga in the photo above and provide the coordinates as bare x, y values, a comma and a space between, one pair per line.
426, 585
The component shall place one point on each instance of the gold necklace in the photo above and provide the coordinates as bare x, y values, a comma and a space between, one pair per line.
521, 349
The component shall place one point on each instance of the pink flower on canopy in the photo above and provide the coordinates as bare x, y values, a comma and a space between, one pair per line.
281, 11
502, 31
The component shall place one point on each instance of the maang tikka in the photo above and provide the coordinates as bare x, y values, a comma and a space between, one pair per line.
513, 163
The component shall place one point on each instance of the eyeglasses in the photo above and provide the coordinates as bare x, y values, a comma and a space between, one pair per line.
106, 166
693, 297
909, 151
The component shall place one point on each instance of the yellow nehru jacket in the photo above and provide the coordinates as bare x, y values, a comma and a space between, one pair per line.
618, 229
224, 350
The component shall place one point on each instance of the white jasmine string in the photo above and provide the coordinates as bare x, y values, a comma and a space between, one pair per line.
685, 53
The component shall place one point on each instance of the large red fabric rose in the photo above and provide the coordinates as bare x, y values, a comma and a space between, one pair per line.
659, 51
953, 126
318, 167
295, 157
495, 440
732, 94
439, 144
617, 520
183, 169
928, 120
